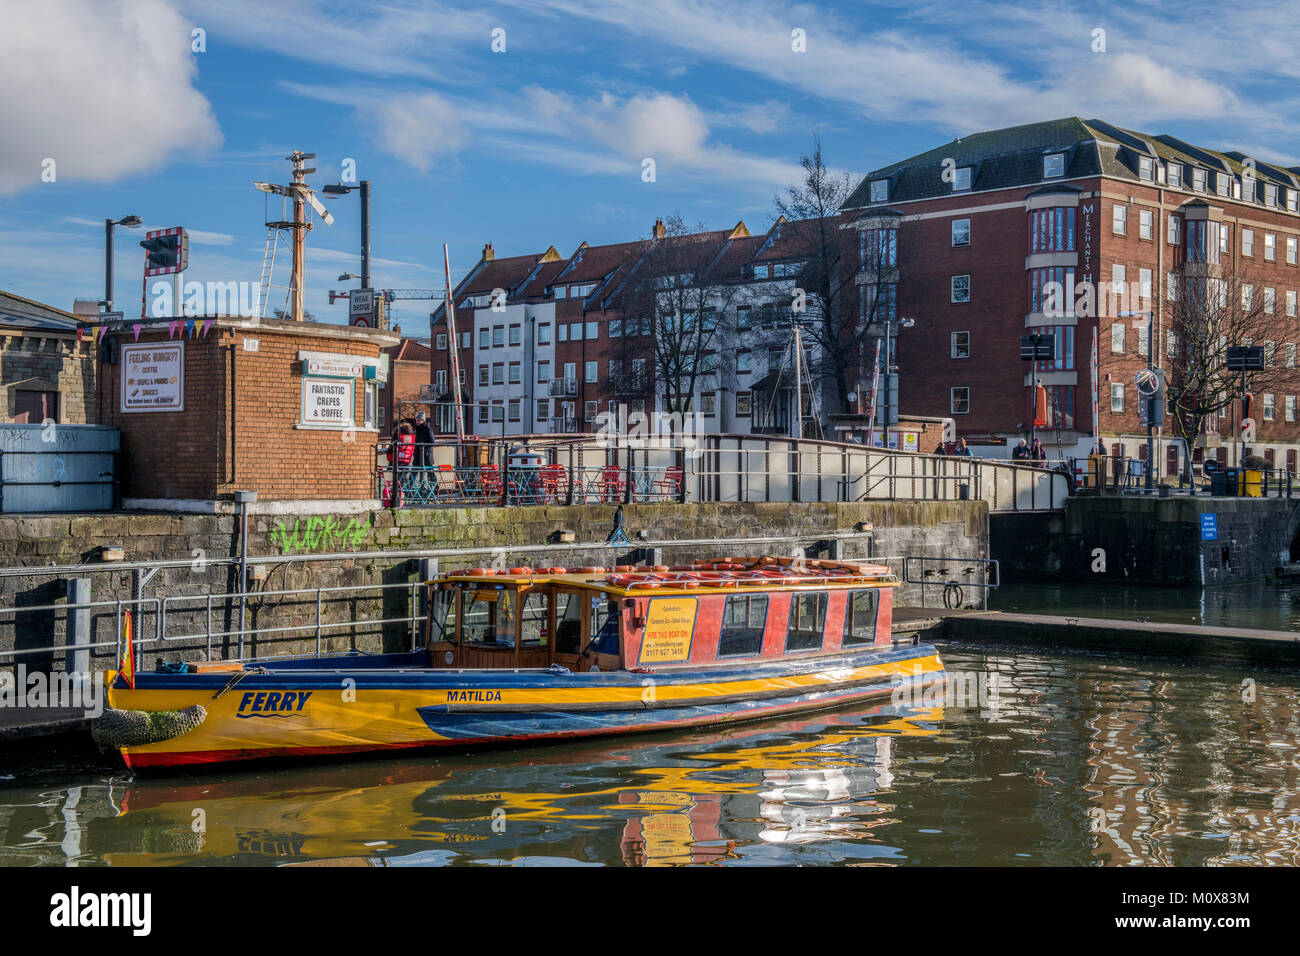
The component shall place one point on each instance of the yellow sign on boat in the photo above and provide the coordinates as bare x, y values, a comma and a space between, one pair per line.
668, 630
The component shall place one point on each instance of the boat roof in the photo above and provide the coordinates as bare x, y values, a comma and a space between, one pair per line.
721, 576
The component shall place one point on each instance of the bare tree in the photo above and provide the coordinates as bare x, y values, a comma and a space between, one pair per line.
812, 232
675, 294
1209, 315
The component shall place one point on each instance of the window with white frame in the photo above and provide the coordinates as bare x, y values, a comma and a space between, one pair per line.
1292, 200
442, 342
961, 232
575, 331
1198, 180
879, 190
544, 334
1223, 183
1171, 287
1053, 165
961, 179
960, 345
1290, 303
562, 332
1270, 412
1270, 349
515, 335
591, 371
515, 373
1118, 279
1116, 396
1175, 175
1290, 355
961, 288
590, 410
483, 373
1117, 338
1119, 219
1174, 233
593, 331
1171, 344
1147, 168
1247, 296
485, 338
1290, 250
1144, 284
1290, 408
1270, 247
1248, 242
1270, 194
1270, 300
1146, 224
959, 400
544, 371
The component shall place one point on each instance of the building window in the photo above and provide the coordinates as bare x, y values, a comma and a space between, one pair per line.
1270, 412
482, 374
878, 248
440, 380
442, 342
1147, 168
1118, 279
1119, 220
515, 335
465, 338
959, 400
514, 410
575, 331
961, 288
1270, 194
744, 402
1053, 165
879, 190
543, 371
498, 336
1247, 296
860, 617
1173, 237
1198, 180
1146, 224
1117, 338
563, 332
1290, 250
1052, 230
961, 345
708, 405
544, 334
960, 232
1116, 397
514, 373
1174, 173
744, 362
543, 409
1048, 290
499, 373
1290, 303
1290, 408
1248, 242
1270, 247
593, 331
615, 328
1270, 300
485, 338
961, 179
590, 371
742, 318
1144, 286
483, 414
1171, 286
1269, 349
1221, 183
589, 410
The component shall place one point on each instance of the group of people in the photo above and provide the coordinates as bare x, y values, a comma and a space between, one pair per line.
1027, 452
412, 436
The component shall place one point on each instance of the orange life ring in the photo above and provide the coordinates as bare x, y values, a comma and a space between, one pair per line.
618, 580
590, 570
550, 571
658, 567
625, 568
521, 570
474, 571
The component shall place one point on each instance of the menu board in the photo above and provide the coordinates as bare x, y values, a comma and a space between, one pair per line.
327, 401
668, 630
153, 377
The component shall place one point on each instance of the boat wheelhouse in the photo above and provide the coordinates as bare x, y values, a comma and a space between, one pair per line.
526, 654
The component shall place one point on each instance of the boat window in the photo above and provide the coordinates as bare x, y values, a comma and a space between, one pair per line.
568, 622
744, 617
860, 618
442, 615
604, 626
533, 619
807, 622
487, 617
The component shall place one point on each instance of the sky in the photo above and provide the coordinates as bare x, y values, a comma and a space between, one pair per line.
529, 124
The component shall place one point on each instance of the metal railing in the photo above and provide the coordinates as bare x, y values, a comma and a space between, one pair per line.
952, 576
1111, 475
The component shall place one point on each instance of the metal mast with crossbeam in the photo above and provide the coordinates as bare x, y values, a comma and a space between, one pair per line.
302, 196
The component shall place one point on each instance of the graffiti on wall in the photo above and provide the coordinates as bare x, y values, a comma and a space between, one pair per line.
318, 533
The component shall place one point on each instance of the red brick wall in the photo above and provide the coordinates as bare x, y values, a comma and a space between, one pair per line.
190, 454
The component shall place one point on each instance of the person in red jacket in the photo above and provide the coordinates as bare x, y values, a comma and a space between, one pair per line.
404, 443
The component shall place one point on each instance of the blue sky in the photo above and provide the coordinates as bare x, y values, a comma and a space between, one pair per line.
544, 143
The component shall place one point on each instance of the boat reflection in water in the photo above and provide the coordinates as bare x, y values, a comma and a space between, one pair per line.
688, 801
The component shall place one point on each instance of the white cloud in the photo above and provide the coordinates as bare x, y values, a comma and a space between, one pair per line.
418, 128
102, 87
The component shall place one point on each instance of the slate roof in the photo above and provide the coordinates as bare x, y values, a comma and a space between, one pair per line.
1013, 157
21, 313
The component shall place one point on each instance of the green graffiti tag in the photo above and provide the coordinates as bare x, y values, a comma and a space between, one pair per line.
317, 533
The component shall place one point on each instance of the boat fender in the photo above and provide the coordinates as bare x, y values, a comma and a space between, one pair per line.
625, 568
134, 728
521, 570
590, 570
551, 571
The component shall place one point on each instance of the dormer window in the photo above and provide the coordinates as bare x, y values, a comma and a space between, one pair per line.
1292, 200
961, 179
1053, 165
1221, 181
1198, 180
1175, 174
1270, 194
1147, 168
879, 190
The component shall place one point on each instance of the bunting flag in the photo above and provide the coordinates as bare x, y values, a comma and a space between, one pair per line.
203, 324
171, 329
128, 654
80, 331
102, 330
189, 327
136, 328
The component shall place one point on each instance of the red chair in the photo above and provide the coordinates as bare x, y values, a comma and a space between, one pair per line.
554, 482
449, 483
670, 485
611, 483
489, 482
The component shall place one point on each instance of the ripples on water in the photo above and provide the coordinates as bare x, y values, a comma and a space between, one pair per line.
1061, 759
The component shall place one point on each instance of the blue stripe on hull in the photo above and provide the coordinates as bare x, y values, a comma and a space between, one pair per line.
484, 727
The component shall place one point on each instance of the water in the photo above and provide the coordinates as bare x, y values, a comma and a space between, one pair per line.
1060, 759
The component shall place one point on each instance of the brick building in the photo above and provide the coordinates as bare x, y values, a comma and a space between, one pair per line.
286, 409
559, 344
408, 374
47, 372
970, 235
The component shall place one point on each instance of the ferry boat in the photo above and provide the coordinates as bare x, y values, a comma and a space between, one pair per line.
538, 654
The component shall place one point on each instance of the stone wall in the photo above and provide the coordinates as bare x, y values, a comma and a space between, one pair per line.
955, 529
1149, 540
42, 362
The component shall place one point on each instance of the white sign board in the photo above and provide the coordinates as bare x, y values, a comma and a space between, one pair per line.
153, 377
911, 441
361, 302
327, 401
341, 367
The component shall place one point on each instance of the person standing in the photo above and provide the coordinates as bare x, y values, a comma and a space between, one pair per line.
962, 451
423, 441
1037, 452
1021, 451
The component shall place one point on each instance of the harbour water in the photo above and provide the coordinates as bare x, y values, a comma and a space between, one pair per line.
1058, 759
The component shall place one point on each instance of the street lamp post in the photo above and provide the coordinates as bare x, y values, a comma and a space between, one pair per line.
338, 189
131, 222
1150, 400
891, 381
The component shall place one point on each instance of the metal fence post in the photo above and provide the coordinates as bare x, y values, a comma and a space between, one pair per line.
78, 625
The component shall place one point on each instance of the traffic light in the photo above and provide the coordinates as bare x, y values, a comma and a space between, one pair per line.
166, 251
